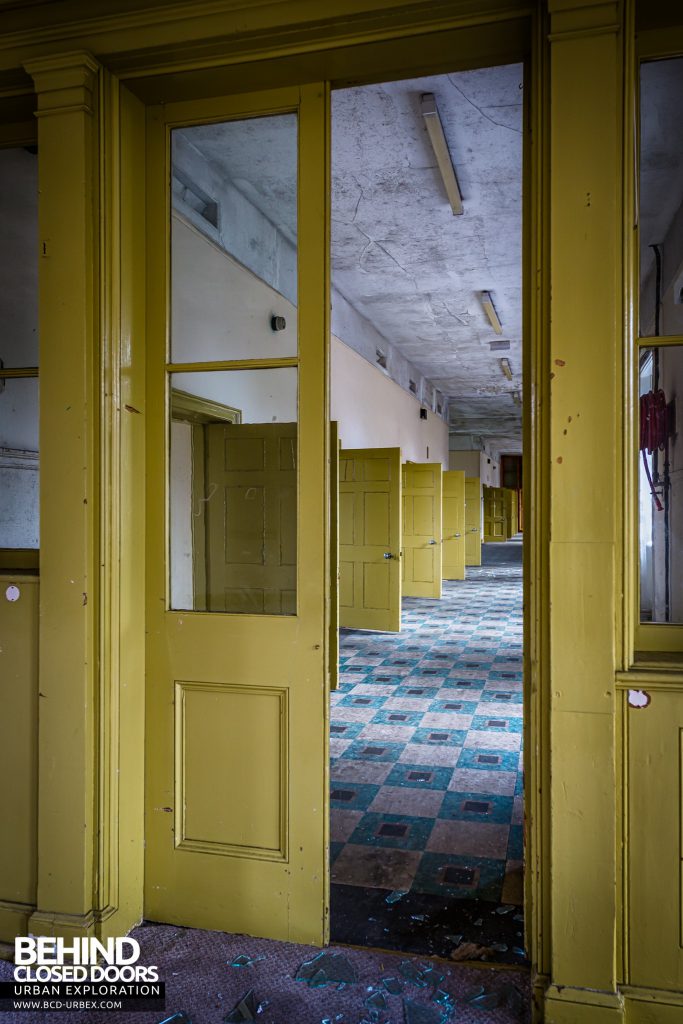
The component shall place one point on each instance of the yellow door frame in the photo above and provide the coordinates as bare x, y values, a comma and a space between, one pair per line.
76, 96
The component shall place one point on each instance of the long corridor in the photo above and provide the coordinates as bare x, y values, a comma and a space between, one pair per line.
426, 743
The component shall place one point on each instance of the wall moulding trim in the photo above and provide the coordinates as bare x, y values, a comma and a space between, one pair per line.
134, 44
66, 83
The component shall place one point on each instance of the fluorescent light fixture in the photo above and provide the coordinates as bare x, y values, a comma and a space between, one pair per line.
506, 368
437, 138
490, 310
499, 346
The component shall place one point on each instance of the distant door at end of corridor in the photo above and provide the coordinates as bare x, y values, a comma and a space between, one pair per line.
370, 538
472, 520
494, 515
454, 525
422, 517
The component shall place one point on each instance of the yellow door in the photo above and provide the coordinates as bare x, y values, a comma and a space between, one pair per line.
454, 525
238, 675
370, 538
422, 514
251, 528
511, 524
494, 514
472, 521
333, 626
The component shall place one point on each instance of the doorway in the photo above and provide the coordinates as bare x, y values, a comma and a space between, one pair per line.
426, 373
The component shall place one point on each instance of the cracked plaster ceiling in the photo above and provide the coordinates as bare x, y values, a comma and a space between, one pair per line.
412, 268
399, 256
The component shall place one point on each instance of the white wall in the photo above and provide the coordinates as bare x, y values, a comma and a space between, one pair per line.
374, 412
481, 464
470, 462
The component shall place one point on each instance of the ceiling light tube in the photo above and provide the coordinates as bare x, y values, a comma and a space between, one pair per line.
490, 310
506, 368
437, 138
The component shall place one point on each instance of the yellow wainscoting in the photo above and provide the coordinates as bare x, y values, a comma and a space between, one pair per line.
654, 761
18, 752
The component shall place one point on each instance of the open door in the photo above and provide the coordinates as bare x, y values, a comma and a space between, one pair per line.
238, 648
370, 538
472, 520
333, 628
494, 514
454, 524
422, 515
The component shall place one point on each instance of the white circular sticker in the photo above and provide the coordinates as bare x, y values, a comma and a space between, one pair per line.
12, 593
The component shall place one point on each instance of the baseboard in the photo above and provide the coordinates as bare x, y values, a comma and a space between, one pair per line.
566, 1005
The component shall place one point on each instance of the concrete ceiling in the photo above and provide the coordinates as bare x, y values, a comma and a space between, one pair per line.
412, 268
399, 256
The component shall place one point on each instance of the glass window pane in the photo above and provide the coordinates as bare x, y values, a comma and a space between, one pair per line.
233, 491
234, 240
18, 256
19, 463
661, 484
661, 197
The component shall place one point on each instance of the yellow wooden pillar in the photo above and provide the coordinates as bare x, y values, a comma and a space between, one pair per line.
67, 95
586, 127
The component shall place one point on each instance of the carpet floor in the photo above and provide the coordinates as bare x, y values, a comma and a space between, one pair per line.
201, 983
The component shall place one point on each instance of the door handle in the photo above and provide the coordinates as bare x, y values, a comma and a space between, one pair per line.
388, 554
456, 534
432, 542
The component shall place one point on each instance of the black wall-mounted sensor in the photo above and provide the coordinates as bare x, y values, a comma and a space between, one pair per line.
278, 323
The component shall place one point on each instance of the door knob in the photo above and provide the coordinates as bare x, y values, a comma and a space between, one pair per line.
432, 542
388, 554
456, 534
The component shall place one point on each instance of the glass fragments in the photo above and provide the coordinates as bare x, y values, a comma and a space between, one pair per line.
487, 1001
396, 895
413, 972
499, 947
244, 960
393, 986
177, 1018
507, 909
444, 998
419, 1013
376, 1001
327, 968
246, 1010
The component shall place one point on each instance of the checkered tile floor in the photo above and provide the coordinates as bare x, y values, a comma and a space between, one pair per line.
426, 741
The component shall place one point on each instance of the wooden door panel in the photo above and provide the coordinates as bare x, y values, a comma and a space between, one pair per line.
370, 530
472, 521
454, 525
422, 529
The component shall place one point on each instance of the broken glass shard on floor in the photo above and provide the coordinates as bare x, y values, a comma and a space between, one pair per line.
419, 1013
444, 998
499, 947
246, 1009
376, 1001
487, 1001
413, 972
244, 960
327, 968
430, 976
393, 986
396, 895
176, 1018
507, 908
